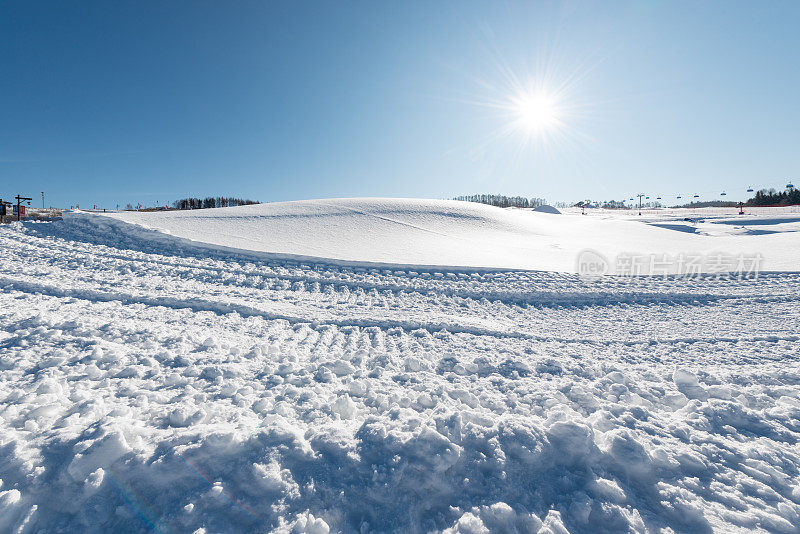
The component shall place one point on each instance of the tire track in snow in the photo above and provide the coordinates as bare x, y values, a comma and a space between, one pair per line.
222, 308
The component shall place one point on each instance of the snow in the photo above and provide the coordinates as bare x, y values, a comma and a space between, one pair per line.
148, 382
544, 208
415, 232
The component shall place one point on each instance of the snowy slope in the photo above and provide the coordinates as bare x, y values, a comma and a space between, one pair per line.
452, 233
147, 385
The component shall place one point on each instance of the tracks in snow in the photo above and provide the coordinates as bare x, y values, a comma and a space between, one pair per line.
48, 259
296, 383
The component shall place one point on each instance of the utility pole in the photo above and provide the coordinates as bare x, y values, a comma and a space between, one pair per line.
640, 195
19, 210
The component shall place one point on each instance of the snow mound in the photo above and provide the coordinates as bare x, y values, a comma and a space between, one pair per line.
414, 232
544, 208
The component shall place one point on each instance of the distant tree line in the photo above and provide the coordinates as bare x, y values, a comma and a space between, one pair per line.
610, 204
709, 204
613, 204
502, 201
211, 202
770, 197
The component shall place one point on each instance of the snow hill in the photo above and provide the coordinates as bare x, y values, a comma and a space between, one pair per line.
462, 234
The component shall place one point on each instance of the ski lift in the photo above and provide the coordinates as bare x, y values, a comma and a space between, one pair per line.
678, 196
658, 198
723, 194
647, 198
631, 199
789, 186
749, 189
697, 196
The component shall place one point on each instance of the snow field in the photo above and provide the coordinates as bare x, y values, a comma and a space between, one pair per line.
450, 233
146, 384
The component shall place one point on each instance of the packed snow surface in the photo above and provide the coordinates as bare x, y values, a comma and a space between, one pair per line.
460, 234
148, 383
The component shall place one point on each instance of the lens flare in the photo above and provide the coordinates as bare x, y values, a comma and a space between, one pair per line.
535, 112
530, 104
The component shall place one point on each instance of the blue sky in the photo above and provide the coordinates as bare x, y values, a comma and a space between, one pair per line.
112, 102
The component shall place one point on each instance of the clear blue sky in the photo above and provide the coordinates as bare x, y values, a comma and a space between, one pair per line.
117, 102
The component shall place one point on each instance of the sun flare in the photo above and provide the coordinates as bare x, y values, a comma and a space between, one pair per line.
535, 112
536, 105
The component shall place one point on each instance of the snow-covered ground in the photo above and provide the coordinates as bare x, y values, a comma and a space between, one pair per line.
151, 383
461, 234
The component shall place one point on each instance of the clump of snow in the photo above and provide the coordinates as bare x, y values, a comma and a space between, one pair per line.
344, 407
101, 453
308, 524
498, 517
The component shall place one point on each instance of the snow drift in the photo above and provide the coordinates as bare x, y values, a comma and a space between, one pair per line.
451, 233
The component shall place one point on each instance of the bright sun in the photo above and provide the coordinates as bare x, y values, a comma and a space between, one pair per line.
535, 112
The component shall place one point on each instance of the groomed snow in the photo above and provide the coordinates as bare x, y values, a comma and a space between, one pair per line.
151, 384
459, 234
